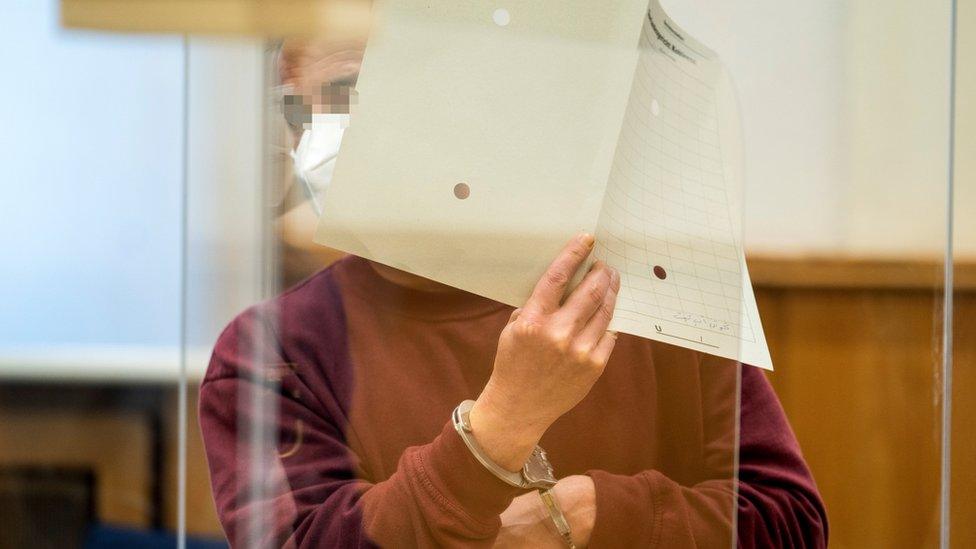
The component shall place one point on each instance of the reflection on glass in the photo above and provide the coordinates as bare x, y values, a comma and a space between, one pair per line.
962, 494
845, 230
89, 285
327, 411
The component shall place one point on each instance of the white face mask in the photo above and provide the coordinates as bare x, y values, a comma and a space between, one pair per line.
315, 156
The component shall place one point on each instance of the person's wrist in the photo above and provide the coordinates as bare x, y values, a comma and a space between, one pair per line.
504, 437
576, 495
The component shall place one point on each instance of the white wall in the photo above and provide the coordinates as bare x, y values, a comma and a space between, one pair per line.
91, 174
90, 146
844, 110
965, 188
224, 182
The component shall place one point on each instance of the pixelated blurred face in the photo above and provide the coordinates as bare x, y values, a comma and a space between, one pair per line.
319, 77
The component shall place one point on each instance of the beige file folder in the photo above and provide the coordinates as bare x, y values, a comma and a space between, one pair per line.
488, 134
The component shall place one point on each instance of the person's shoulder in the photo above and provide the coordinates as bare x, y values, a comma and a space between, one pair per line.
318, 294
307, 315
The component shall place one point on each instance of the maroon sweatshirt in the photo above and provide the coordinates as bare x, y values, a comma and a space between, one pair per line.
363, 375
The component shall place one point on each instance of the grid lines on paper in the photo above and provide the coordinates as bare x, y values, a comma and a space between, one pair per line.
666, 203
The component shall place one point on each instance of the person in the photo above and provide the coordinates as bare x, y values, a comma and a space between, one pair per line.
364, 367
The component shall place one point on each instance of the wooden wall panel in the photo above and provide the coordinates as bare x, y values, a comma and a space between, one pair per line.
857, 346
963, 506
857, 375
201, 514
115, 446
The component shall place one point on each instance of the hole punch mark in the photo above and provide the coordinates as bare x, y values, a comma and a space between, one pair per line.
501, 17
462, 191
655, 107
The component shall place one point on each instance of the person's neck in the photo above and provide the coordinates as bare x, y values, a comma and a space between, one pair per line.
407, 280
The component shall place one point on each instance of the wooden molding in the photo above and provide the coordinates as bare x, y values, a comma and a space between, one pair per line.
242, 17
858, 272
302, 257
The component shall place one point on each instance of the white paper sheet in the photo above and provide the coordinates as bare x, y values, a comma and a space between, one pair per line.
559, 118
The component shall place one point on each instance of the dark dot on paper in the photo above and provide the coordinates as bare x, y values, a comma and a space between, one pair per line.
660, 272
462, 191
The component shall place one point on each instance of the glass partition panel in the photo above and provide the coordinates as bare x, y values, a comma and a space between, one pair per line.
91, 171
395, 381
336, 289
845, 113
963, 455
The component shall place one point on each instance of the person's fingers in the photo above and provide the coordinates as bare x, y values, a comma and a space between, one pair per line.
552, 286
514, 316
596, 326
584, 300
601, 354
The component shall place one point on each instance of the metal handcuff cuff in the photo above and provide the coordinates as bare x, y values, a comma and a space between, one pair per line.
537, 473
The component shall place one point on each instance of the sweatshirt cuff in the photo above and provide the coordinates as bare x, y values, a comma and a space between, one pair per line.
460, 482
628, 511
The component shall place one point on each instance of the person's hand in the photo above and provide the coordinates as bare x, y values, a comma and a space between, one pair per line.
526, 521
549, 356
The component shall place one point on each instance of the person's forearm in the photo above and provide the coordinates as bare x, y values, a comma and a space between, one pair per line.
436, 497
440, 495
651, 509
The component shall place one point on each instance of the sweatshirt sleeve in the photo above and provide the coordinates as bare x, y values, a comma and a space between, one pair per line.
777, 502
312, 496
